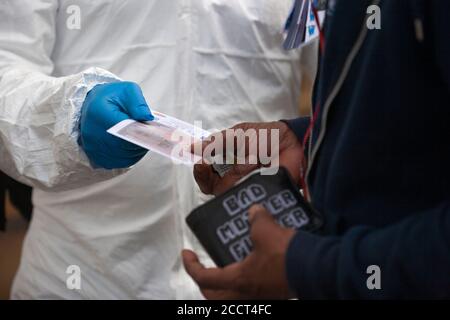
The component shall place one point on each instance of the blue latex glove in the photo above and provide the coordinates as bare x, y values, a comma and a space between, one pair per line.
105, 106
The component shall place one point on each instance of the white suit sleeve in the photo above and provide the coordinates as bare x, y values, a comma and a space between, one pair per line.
39, 113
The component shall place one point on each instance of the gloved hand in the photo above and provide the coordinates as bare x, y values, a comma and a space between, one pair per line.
105, 106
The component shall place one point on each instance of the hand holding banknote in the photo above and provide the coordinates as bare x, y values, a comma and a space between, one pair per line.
246, 147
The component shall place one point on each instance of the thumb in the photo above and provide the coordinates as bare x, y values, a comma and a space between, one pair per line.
262, 225
215, 139
135, 105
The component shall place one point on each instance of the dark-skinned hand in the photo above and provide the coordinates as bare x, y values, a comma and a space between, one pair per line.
290, 155
261, 275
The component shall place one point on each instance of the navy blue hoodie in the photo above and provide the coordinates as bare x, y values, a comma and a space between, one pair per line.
380, 156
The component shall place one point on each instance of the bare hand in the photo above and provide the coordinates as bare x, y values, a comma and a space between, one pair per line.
261, 275
289, 155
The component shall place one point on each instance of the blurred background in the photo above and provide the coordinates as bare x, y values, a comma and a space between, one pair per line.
10, 247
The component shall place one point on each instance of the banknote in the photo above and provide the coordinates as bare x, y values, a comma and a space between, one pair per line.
167, 136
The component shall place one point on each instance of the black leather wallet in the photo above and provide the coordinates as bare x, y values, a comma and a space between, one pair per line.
221, 225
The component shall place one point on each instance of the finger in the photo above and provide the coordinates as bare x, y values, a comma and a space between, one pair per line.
240, 170
197, 148
205, 177
132, 153
135, 104
104, 161
237, 172
128, 162
257, 212
209, 278
210, 182
293, 160
221, 185
131, 147
211, 146
262, 224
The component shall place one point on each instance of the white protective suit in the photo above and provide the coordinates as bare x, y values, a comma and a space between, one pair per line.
220, 61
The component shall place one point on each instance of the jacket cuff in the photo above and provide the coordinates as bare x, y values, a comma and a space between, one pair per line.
299, 126
311, 266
